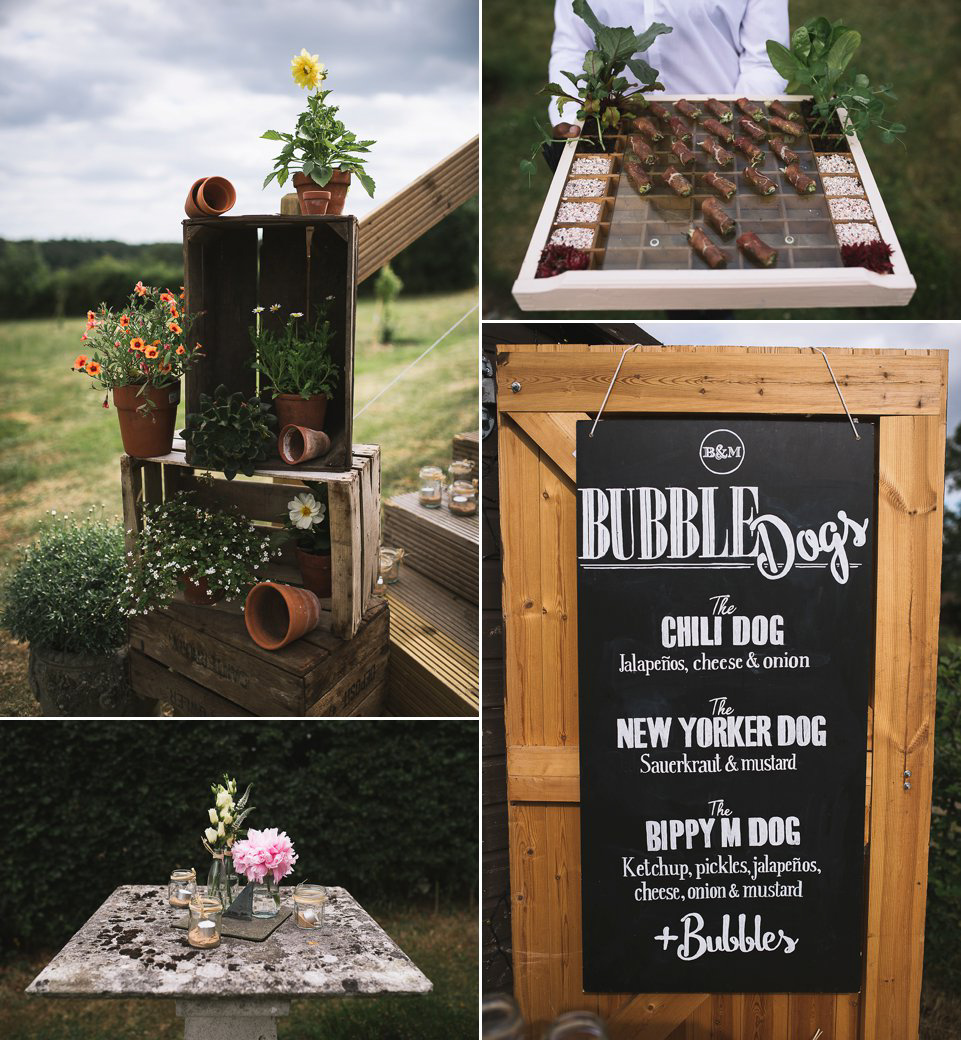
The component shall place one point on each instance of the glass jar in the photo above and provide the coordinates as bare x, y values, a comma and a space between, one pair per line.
265, 902
462, 499
431, 486
221, 880
203, 922
389, 564
501, 1018
576, 1025
182, 887
461, 469
309, 903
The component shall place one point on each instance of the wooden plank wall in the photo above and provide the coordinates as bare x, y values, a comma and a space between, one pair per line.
539, 604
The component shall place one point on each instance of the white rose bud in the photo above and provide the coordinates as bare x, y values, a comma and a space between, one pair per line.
220, 830
212, 813
223, 798
227, 818
211, 835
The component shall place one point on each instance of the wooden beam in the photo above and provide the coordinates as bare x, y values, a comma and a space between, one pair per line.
404, 217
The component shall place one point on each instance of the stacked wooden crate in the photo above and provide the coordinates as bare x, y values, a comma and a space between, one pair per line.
434, 607
201, 659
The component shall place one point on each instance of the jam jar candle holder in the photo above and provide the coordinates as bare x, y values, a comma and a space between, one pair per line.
182, 887
203, 922
389, 565
461, 469
462, 499
431, 486
309, 903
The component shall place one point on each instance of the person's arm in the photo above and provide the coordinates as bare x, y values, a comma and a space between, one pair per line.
763, 20
572, 40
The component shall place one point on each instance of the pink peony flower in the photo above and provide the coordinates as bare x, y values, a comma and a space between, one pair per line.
264, 852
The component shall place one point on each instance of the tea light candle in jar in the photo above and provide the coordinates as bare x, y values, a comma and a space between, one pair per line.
389, 564
431, 483
463, 498
461, 469
203, 923
309, 902
181, 887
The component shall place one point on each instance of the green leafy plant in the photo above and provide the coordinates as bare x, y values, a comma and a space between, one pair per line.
295, 360
63, 592
308, 519
320, 144
600, 90
817, 62
387, 287
182, 539
230, 433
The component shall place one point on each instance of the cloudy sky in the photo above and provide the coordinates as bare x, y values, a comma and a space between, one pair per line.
109, 110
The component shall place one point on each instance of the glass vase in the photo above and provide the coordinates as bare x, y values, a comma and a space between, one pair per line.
221, 879
266, 901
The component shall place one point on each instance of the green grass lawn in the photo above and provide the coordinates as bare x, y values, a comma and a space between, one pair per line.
442, 945
60, 450
913, 48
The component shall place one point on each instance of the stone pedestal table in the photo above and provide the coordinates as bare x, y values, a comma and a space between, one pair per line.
129, 948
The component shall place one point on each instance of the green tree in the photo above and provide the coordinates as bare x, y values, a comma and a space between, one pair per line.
387, 287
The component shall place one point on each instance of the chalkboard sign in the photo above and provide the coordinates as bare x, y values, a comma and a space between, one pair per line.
725, 648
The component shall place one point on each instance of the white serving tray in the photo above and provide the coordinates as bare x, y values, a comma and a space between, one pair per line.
596, 290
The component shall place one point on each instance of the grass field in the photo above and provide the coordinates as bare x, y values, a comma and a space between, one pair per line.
915, 51
442, 945
60, 450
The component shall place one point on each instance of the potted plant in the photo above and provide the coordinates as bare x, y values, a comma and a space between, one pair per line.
230, 433
321, 148
309, 524
295, 366
139, 353
209, 554
63, 597
818, 61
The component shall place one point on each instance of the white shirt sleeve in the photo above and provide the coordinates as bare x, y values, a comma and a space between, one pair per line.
763, 20
572, 40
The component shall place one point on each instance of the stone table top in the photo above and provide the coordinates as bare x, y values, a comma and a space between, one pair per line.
129, 948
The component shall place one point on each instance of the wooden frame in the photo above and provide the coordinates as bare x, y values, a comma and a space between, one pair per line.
597, 290
542, 391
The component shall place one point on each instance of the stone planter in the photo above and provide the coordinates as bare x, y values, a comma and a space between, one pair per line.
83, 684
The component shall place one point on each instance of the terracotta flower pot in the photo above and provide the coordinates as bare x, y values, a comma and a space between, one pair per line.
297, 444
294, 410
337, 186
147, 433
210, 197
315, 570
198, 592
316, 202
276, 614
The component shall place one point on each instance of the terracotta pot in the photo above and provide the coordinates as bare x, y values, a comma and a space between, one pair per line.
337, 186
147, 433
276, 614
210, 197
198, 592
297, 444
315, 570
316, 202
294, 410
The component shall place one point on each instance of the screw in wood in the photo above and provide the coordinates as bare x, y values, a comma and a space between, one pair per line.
515, 387
907, 772
907, 785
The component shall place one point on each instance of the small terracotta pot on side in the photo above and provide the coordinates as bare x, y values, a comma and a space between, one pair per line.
298, 444
198, 592
210, 197
315, 570
316, 202
294, 410
276, 615
147, 434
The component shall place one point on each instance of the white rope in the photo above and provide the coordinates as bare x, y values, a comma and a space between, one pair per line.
857, 436
400, 375
617, 372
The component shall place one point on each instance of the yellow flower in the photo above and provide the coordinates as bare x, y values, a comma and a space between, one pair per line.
307, 71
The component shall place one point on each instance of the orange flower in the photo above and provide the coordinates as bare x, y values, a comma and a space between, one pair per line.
167, 297
198, 346
174, 328
166, 367
181, 351
124, 321
91, 316
93, 368
140, 289
156, 343
136, 343
173, 311
150, 352
80, 362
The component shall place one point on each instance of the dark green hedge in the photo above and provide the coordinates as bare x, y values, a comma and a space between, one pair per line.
387, 809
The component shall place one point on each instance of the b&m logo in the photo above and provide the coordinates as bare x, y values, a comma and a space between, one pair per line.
722, 451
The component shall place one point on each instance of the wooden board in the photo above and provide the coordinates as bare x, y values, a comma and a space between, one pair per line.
537, 532
467, 446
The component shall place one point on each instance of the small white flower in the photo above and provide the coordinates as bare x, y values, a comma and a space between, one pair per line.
274, 307
211, 835
212, 813
296, 314
257, 310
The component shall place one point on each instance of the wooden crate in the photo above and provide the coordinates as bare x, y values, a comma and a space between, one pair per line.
202, 661
234, 264
466, 446
353, 502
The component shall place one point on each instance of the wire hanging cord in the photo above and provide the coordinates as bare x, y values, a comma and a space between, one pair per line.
400, 375
844, 404
617, 372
